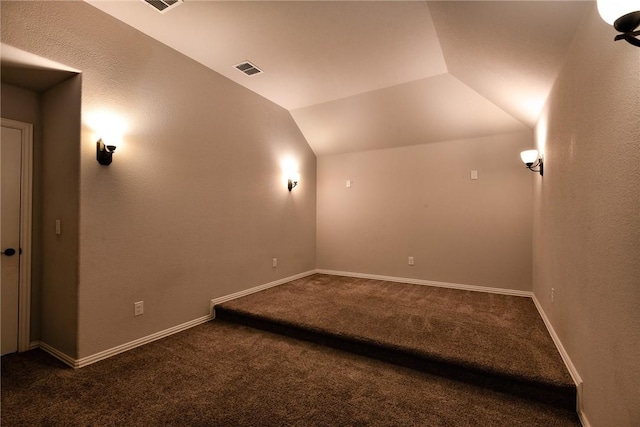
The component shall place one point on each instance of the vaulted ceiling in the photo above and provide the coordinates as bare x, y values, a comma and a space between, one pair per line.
360, 75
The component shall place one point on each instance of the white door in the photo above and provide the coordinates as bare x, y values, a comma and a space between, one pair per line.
16, 166
10, 173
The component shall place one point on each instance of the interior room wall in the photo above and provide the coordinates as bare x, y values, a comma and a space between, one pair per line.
24, 105
420, 201
587, 220
194, 205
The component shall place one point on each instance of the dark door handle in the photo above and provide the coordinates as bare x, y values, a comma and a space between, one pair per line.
9, 252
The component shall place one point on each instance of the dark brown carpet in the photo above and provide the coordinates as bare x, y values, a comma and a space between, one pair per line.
221, 374
492, 340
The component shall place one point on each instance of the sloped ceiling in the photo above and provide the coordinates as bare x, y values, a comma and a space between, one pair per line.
365, 75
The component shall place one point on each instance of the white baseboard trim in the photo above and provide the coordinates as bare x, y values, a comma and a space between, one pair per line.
34, 345
64, 358
88, 360
583, 419
567, 361
255, 289
474, 288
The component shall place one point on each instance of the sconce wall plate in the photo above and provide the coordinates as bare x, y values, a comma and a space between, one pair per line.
104, 153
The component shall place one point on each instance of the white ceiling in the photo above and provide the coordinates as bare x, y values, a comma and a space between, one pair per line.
376, 74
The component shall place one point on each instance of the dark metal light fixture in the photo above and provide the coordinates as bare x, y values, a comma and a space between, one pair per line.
291, 184
624, 15
532, 161
104, 153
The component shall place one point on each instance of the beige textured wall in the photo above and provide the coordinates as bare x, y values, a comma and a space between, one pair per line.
24, 105
193, 206
587, 220
420, 201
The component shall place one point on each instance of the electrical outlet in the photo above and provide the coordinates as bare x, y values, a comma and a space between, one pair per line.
138, 308
553, 295
274, 262
411, 261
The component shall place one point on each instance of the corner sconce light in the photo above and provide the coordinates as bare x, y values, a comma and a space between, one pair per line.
624, 15
104, 153
291, 184
532, 160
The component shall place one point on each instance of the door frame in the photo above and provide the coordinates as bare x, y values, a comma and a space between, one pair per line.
26, 207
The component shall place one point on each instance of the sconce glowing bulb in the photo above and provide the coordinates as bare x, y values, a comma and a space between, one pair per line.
611, 10
529, 156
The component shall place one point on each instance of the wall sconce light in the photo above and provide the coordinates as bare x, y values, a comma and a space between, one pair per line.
104, 153
532, 160
290, 172
624, 15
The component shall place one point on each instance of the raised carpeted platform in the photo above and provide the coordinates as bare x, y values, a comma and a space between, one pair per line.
494, 341
224, 374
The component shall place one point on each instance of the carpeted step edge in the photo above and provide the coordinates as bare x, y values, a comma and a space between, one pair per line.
558, 395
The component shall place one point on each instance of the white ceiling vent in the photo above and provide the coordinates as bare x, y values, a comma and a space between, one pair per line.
248, 68
163, 6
